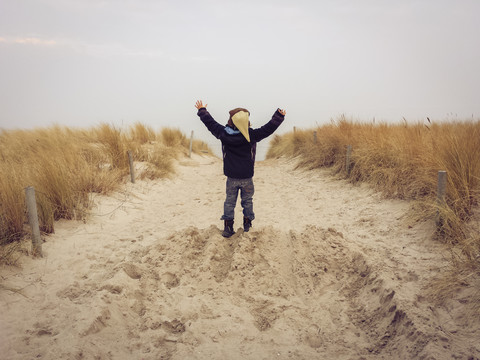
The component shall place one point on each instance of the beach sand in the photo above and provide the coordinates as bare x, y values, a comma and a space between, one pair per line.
330, 270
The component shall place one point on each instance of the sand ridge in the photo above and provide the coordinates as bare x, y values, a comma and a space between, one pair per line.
329, 270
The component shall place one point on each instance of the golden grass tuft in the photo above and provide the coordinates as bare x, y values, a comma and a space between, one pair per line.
201, 147
159, 162
10, 253
142, 134
113, 142
173, 137
66, 165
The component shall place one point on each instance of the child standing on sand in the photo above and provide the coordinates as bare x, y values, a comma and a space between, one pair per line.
239, 144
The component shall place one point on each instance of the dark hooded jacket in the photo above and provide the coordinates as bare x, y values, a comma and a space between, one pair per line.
238, 153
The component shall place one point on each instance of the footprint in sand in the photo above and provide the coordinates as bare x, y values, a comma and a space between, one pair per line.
113, 289
170, 280
132, 271
314, 337
174, 327
264, 314
99, 323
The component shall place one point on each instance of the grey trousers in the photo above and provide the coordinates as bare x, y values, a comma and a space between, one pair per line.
246, 188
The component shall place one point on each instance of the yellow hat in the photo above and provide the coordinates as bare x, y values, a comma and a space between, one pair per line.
240, 119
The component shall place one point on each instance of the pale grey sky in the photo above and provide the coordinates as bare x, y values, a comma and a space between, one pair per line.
81, 63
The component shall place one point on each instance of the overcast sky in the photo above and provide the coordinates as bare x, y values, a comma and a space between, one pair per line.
85, 62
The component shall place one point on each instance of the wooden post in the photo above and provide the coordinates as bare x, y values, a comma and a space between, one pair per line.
441, 191
314, 137
348, 159
294, 129
190, 148
132, 169
33, 221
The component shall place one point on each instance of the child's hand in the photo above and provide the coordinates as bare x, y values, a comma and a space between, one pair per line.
282, 111
199, 105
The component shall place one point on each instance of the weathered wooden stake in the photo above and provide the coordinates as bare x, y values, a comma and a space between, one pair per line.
348, 159
190, 148
441, 191
132, 169
314, 137
294, 129
33, 221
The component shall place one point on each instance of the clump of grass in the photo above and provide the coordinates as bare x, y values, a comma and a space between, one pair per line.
12, 199
142, 134
66, 165
458, 152
113, 142
10, 252
159, 162
173, 137
200, 147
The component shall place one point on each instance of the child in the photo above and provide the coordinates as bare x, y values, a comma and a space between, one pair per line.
239, 144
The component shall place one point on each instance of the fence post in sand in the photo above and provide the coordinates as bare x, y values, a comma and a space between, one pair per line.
314, 137
132, 169
33, 221
190, 148
348, 159
441, 191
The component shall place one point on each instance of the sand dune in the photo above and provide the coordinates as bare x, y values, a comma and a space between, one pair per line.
328, 271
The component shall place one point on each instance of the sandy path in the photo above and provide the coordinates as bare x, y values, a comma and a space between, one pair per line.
329, 271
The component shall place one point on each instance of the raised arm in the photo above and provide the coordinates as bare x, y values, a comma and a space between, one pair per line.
215, 128
269, 128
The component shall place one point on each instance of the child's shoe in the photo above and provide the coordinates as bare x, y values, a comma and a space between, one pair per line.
247, 224
228, 230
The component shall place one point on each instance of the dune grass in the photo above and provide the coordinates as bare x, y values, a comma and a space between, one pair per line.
402, 161
65, 166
